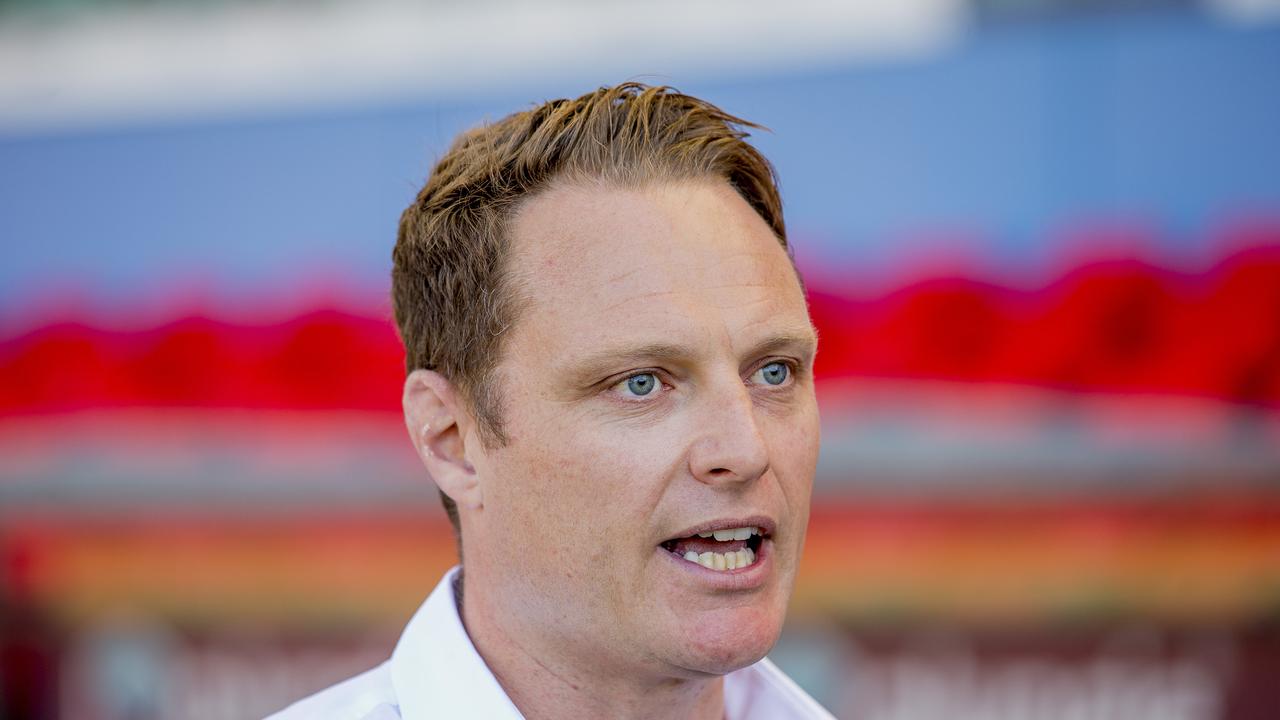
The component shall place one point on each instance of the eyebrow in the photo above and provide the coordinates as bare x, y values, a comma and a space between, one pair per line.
588, 370
805, 344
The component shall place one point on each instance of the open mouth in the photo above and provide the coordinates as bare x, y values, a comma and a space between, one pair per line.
723, 550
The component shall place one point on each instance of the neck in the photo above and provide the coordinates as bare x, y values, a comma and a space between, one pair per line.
543, 680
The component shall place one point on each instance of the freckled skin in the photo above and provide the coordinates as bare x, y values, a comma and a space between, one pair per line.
569, 598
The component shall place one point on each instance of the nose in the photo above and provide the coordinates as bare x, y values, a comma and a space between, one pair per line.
729, 445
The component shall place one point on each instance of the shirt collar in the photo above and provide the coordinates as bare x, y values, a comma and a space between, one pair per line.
435, 669
437, 673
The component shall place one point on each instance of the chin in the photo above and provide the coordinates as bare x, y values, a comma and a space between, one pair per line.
720, 642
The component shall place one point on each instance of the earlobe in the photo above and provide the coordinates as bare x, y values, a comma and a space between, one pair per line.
436, 421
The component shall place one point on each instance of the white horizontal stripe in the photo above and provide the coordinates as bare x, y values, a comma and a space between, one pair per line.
181, 61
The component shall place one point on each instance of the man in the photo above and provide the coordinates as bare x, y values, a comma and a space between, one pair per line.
611, 383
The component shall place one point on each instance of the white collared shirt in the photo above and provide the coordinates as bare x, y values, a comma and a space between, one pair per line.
435, 672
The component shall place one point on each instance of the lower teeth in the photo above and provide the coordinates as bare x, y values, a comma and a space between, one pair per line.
722, 561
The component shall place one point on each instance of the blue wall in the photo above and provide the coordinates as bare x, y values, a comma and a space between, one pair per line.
1167, 119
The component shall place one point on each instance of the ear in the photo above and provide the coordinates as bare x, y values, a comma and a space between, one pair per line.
437, 421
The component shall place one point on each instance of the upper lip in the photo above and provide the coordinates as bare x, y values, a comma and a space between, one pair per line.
765, 523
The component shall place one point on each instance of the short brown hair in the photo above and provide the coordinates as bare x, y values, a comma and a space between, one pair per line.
449, 286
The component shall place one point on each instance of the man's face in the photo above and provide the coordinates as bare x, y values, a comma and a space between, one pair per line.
658, 383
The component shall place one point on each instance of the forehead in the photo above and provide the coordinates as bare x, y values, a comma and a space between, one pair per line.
689, 260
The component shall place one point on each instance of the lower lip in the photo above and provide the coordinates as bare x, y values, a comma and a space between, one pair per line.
746, 578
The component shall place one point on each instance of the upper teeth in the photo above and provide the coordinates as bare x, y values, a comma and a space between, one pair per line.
741, 533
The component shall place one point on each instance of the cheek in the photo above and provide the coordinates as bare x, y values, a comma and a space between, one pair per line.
794, 445
581, 495
794, 457
578, 487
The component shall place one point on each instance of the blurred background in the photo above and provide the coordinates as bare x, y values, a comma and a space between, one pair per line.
1042, 240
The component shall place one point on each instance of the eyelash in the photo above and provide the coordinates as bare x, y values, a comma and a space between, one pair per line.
664, 386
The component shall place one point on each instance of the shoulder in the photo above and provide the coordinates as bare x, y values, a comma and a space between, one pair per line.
367, 696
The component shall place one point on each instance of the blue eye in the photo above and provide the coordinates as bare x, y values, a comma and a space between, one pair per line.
642, 384
775, 373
